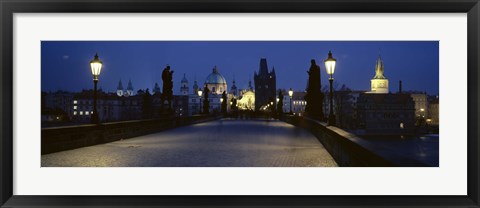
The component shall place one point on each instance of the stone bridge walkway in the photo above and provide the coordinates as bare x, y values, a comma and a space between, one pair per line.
221, 143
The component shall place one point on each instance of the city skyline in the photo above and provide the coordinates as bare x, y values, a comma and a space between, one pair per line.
65, 64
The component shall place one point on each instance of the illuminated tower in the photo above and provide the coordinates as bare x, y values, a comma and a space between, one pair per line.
379, 82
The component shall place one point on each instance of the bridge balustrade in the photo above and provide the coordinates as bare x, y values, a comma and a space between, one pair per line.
57, 139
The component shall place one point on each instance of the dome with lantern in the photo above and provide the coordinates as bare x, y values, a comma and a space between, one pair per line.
215, 82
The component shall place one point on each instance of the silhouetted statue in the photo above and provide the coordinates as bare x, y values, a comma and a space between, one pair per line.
224, 103
314, 94
167, 95
206, 102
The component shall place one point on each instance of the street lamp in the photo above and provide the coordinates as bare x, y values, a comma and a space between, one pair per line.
221, 105
290, 93
330, 67
199, 92
96, 66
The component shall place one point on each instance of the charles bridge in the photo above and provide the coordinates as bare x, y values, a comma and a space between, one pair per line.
211, 141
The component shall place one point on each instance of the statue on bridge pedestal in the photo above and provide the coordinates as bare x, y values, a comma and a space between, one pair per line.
167, 76
314, 95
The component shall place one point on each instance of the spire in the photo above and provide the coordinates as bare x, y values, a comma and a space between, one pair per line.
250, 85
215, 70
120, 86
273, 71
184, 79
195, 86
233, 89
263, 67
379, 68
156, 88
130, 87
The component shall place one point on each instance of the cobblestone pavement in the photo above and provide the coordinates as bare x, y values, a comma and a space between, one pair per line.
221, 143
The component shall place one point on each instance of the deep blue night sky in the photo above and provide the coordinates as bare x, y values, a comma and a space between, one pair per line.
65, 64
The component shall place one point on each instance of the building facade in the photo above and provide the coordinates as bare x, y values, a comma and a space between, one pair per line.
385, 114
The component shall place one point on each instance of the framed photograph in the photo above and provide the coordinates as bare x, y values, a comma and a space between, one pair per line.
239, 104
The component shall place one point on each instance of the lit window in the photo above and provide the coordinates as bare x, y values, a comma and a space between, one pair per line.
87, 113
74, 107
74, 102
81, 112
74, 113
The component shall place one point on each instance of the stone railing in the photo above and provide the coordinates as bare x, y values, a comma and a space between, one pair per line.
71, 137
346, 148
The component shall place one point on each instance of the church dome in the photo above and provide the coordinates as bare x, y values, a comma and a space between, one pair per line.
215, 78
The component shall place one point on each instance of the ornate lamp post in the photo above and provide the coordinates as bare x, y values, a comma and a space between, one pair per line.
221, 105
330, 67
96, 66
290, 94
199, 92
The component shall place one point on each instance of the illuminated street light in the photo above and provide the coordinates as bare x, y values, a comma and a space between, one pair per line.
330, 63
96, 66
290, 93
199, 92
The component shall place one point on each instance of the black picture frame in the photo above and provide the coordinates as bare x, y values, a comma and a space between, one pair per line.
10, 7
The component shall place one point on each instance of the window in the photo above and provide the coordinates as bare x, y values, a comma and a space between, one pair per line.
81, 112
87, 113
74, 102
74, 107
74, 113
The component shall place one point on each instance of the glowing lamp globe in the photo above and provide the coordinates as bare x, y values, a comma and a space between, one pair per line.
330, 64
96, 66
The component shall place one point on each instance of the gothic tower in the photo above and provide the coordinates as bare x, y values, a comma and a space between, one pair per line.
379, 82
265, 85
129, 89
120, 88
